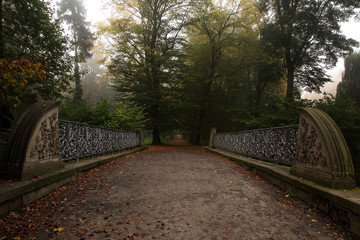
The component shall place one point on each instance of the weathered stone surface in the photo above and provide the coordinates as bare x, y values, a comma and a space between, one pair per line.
211, 138
33, 147
322, 154
141, 138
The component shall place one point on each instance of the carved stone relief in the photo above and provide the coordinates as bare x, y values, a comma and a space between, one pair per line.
322, 155
33, 147
46, 140
310, 146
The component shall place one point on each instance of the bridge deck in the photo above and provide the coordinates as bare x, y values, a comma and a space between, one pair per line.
175, 191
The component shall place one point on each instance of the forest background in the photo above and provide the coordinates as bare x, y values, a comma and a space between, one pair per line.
180, 65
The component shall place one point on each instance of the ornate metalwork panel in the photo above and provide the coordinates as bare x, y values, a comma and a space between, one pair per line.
276, 145
80, 140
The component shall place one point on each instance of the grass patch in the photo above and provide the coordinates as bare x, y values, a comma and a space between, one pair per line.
147, 141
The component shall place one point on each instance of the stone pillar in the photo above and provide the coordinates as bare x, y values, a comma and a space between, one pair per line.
211, 138
33, 147
322, 155
141, 138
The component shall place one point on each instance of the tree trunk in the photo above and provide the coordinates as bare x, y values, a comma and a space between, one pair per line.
260, 86
203, 110
290, 83
199, 127
290, 72
155, 109
78, 89
2, 47
215, 55
156, 135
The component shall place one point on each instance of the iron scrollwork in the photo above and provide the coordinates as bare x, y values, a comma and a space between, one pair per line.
81, 140
276, 145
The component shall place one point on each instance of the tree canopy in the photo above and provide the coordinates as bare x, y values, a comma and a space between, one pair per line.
185, 64
349, 87
30, 37
146, 37
73, 13
188, 63
308, 32
222, 48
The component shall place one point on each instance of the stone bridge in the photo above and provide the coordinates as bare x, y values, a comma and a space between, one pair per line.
179, 191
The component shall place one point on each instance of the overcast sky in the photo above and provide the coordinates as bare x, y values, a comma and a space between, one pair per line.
96, 10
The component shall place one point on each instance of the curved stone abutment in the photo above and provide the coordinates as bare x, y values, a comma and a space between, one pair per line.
322, 155
33, 147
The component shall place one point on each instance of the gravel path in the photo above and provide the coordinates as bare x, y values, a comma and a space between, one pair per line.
170, 192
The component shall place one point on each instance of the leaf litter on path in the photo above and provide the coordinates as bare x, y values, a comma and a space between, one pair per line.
169, 192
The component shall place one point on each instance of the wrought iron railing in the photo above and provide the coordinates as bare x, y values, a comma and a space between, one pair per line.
79, 140
276, 145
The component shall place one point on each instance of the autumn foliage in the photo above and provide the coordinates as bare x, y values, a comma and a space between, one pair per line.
16, 75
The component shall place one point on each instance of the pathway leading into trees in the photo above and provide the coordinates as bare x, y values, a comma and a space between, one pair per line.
170, 192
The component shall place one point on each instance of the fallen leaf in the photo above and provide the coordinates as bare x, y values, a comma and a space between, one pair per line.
59, 230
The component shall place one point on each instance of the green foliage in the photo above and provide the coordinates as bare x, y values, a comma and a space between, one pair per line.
33, 45
144, 59
349, 87
278, 112
127, 116
221, 59
28, 30
73, 13
309, 33
16, 76
81, 111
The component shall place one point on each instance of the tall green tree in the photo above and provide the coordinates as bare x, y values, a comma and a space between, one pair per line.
222, 45
349, 87
144, 64
28, 33
309, 33
73, 13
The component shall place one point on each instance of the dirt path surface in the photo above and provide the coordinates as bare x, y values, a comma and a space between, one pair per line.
169, 192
